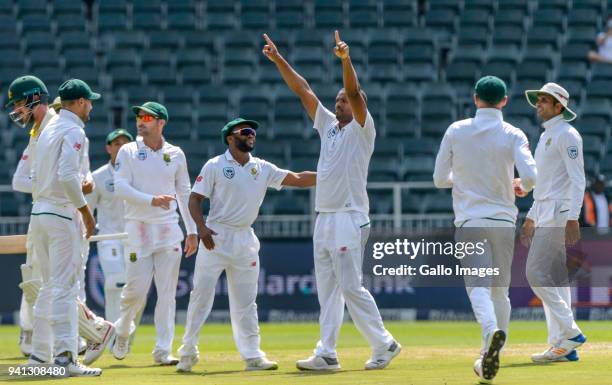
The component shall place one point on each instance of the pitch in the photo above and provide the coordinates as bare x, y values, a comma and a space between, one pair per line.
433, 353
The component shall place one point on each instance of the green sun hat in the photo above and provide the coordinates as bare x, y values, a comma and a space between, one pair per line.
227, 129
152, 108
491, 89
73, 89
117, 133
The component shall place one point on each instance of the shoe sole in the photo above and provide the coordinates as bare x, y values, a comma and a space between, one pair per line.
385, 364
273, 367
490, 361
171, 363
331, 368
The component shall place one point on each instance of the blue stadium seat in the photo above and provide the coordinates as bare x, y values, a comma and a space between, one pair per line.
181, 21
399, 13
70, 22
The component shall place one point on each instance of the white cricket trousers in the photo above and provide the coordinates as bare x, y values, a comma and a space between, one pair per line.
547, 270
57, 241
489, 295
148, 261
237, 252
339, 243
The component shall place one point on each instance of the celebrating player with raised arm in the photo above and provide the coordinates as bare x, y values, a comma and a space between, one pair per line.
151, 177
342, 226
236, 184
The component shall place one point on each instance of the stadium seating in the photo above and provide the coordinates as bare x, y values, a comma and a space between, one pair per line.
417, 60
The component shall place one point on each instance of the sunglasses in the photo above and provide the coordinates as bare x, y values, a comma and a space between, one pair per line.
245, 132
146, 118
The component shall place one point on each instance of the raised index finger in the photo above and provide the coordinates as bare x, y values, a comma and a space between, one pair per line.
267, 39
337, 34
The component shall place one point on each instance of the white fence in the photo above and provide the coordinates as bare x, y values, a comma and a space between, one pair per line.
301, 226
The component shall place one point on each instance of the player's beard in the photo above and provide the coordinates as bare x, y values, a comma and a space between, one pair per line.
242, 145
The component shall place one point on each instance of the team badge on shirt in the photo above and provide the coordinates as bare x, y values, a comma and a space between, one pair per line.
133, 257
548, 142
142, 154
229, 172
167, 158
572, 152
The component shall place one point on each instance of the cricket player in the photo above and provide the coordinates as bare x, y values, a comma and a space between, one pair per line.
236, 184
342, 226
28, 99
151, 177
59, 214
109, 214
552, 221
477, 159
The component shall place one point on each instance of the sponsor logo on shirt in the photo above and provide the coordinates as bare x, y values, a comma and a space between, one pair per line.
142, 154
117, 166
199, 178
572, 152
77, 146
331, 132
109, 184
229, 172
24, 157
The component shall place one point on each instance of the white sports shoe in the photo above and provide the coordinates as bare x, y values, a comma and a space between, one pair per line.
478, 371
186, 363
95, 350
25, 342
120, 347
381, 361
260, 363
561, 351
318, 363
75, 369
161, 357
490, 359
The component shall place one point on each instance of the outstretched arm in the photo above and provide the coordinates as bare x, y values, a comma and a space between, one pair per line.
300, 179
294, 81
351, 83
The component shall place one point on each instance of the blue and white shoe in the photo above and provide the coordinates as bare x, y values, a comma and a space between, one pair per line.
571, 357
565, 351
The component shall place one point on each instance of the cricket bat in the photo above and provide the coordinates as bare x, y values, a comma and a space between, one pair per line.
16, 244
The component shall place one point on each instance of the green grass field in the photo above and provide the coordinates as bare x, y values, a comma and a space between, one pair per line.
433, 353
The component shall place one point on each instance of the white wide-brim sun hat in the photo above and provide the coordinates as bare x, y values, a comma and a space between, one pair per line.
557, 92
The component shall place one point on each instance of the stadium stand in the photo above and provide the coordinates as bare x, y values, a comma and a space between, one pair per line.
417, 60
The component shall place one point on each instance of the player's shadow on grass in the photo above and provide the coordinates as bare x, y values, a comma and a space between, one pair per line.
308, 373
204, 373
526, 364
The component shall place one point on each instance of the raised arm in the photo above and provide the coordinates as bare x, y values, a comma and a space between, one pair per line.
294, 81
351, 83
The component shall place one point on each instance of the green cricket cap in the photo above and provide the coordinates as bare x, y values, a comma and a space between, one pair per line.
152, 108
491, 89
117, 133
73, 89
227, 129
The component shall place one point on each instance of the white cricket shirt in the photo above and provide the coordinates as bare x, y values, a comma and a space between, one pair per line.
560, 165
22, 178
235, 191
110, 209
342, 170
476, 159
57, 172
142, 173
